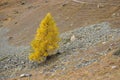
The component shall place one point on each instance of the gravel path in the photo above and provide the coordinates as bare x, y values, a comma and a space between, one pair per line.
13, 57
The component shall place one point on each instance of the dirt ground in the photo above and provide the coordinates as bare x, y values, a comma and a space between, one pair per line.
25, 15
22, 17
106, 68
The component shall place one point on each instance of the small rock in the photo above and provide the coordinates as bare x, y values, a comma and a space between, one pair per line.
72, 38
77, 1
98, 28
111, 44
64, 4
25, 75
46, 1
103, 42
109, 49
5, 67
67, 18
113, 67
100, 5
115, 14
22, 62
16, 22
10, 38
22, 3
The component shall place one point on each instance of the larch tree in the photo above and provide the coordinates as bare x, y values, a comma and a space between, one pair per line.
46, 40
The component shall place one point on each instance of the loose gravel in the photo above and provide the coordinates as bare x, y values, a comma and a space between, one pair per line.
13, 57
88, 36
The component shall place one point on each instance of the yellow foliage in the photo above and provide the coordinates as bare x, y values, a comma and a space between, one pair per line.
46, 39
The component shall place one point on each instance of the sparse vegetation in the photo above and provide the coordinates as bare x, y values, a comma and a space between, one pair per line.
46, 40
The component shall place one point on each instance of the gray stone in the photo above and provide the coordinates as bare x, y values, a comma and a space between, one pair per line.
25, 75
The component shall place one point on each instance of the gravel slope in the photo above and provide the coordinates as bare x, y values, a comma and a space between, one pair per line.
85, 37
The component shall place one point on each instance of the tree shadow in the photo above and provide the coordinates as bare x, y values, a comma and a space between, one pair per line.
50, 59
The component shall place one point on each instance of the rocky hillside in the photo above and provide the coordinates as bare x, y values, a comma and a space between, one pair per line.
90, 39
79, 48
